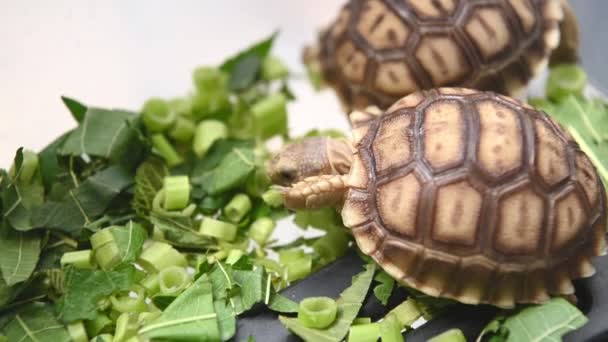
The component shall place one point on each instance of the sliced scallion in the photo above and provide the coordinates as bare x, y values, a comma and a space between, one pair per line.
317, 312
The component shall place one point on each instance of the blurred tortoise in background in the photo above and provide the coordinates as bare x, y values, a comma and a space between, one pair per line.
459, 193
380, 50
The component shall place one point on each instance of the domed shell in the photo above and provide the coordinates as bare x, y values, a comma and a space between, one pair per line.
474, 196
377, 51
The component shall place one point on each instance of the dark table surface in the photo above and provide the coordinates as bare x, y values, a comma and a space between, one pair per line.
593, 20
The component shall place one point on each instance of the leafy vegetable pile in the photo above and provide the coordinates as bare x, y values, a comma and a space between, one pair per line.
158, 225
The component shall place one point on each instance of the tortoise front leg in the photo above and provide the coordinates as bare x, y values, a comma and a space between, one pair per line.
316, 192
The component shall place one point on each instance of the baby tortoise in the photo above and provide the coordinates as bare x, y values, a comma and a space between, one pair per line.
459, 193
380, 50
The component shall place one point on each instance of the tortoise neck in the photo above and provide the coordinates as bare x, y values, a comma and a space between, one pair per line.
339, 155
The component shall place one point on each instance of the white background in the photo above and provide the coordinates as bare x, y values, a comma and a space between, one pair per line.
117, 53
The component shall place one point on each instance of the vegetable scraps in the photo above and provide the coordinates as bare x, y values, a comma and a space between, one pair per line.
158, 224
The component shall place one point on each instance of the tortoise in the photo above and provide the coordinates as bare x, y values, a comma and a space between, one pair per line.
458, 193
377, 51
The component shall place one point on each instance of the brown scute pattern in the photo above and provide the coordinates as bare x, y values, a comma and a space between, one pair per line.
433, 8
520, 222
352, 62
457, 212
397, 203
395, 78
494, 45
551, 160
393, 145
380, 27
443, 60
525, 13
587, 178
500, 147
423, 226
489, 31
444, 134
570, 220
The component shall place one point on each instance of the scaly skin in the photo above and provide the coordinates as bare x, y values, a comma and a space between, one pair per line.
312, 173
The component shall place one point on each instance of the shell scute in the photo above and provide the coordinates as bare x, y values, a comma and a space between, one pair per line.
444, 135
380, 27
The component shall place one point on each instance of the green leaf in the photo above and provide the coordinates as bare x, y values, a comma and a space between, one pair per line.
226, 319
35, 322
148, 181
109, 134
49, 162
77, 109
349, 303
85, 203
325, 219
549, 321
19, 198
384, 290
282, 304
84, 289
245, 67
129, 239
190, 317
251, 283
19, 253
234, 161
7, 293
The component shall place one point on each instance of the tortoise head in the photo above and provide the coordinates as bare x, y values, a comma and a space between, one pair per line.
309, 157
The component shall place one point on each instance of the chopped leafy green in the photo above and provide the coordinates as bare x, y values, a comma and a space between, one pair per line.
282, 304
84, 288
129, 240
234, 162
148, 181
246, 66
109, 134
35, 322
77, 109
384, 290
190, 317
85, 203
349, 303
19, 252
549, 321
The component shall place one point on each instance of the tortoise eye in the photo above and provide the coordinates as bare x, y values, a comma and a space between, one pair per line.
288, 175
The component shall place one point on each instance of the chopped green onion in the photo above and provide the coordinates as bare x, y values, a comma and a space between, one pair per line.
209, 79
233, 256
207, 132
564, 80
79, 259
177, 192
181, 106
29, 165
273, 198
126, 327
332, 245
452, 335
364, 333
211, 104
77, 332
362, 320
291, 255
101, 323
270, 116
237, 208
317, 312
261, 229
390, 329
103, 338
151, 284
105, 249
157, 115
128, 303
160, 255
183, 130
299, 269
273, 68
165, 150
173, 280
134, 339
407, 312
220, 230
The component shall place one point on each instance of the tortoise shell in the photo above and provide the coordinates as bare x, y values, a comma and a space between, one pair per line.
380, 50
474, 196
